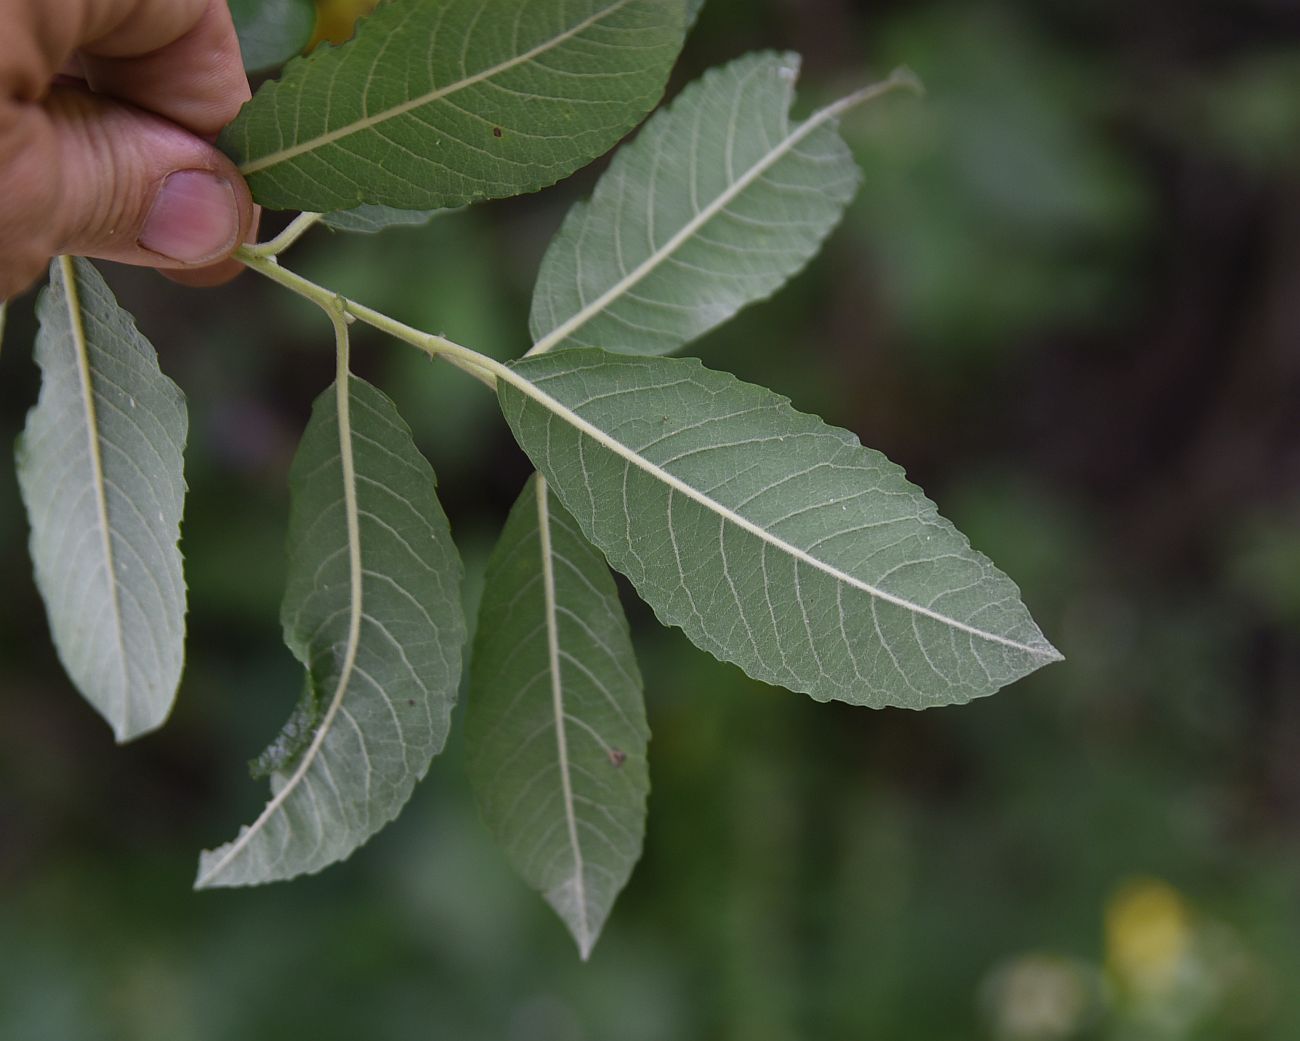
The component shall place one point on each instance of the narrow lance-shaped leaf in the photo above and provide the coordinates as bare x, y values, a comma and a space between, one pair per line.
555, 723
439, 103
718, 201
272, 31
101, 472
372, 609
368, 220
773, 540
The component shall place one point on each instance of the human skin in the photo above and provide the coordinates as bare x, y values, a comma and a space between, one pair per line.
107, 113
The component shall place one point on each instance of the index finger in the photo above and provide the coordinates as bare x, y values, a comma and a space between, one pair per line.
177, 58
194, 77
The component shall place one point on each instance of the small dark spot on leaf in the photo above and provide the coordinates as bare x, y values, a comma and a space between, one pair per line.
617, 757
411, 702
496, 131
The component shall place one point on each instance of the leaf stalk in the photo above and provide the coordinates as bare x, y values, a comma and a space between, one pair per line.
296, 229
484, 369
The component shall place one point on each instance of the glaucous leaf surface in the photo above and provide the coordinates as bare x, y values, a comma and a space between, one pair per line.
272, 31
439, 103
373, 611
773, 540
555, 724
718, 201
368, 220
101, 472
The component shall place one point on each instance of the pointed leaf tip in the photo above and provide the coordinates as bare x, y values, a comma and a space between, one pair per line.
904, 77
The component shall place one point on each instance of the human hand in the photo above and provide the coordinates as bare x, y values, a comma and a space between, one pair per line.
107, 108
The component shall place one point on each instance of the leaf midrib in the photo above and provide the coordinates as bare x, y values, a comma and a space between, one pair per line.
72, 300
356, 612
643, 270
356, 127
564, 412
557, 704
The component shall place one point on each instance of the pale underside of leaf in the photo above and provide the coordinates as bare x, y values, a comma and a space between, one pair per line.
372, 609
439, 103
773, 540
555, 723
718, 201
369, 220
102, 475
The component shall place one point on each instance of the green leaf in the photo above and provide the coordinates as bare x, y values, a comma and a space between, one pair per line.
367, 220
439, 103
773, 540
101, 472
718, 201
272, 31
373, 611
555, 723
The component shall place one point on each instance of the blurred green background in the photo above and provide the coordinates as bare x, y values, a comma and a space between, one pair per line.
1067, 300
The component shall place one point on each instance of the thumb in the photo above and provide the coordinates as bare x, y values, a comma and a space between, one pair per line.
103, 179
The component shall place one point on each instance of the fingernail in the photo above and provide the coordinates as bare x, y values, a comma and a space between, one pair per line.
194, 218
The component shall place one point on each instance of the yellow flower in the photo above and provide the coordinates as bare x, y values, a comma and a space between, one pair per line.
336, 19
1148, 936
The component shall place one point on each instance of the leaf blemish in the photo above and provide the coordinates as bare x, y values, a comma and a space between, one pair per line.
617, 757
496, 131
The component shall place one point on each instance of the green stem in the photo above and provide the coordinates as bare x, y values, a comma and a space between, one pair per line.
298, 227
342, 342
486, 370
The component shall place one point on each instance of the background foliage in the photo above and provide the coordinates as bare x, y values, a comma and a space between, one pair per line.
1066, 301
